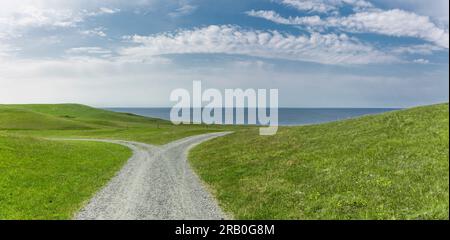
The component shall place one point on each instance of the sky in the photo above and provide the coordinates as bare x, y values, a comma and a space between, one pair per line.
318, 53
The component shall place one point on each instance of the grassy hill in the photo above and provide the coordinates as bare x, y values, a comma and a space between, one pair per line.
44, 179
78, 115
79, 121
388, 166
88, 114
23, 119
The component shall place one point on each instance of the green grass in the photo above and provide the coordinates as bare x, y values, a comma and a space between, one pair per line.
79, 121
22, 119
44, 179
41, 179
388, 166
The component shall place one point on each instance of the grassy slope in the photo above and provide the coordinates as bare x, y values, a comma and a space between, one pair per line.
43, 179
89, 122
389, 166
23, 119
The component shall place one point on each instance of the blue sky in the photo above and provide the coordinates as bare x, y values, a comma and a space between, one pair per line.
318, 53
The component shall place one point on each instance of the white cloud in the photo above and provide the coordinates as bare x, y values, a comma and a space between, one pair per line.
75, 5
311, 6
326, 6
423, 49
88, 50
421, 61
326, 49
30, 16
99, 32
277, 18
395, 22
437, 9
183, 10
105, 10
18, 16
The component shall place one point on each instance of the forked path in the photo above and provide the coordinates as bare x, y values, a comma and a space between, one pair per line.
155, 183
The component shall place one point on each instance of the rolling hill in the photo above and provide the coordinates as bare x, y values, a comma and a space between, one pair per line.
388, 166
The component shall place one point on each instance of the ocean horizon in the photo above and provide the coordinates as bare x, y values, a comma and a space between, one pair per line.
286, 116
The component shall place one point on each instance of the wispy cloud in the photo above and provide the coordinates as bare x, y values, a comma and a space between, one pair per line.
20, 18
227, 39
397, 23
30, 16
325, 6
277, 18
105, 10
437, 9
423, 49
88, 50
99, 32
421, 61
183, 10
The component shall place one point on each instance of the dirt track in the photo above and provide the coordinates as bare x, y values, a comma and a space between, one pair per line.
155, 183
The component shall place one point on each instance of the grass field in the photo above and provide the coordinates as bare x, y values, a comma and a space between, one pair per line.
79, 121
43, 179
388, 166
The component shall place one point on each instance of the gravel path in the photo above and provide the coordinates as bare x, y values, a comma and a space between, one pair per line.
155, 183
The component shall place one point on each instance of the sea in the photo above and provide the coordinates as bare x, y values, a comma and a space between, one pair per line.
286, 116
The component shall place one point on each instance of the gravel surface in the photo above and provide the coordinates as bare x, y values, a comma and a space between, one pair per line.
155, 183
